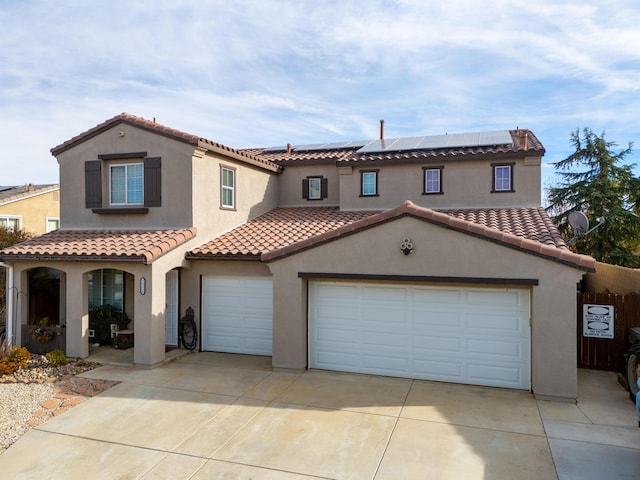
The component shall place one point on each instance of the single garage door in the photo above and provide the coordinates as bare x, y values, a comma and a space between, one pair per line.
465, 335
237, 315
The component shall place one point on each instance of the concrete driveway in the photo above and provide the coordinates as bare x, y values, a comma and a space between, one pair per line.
214, 416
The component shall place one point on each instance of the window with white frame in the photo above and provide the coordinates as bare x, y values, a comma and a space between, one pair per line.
503, 177
369, 183
52, 224
10, 223
432, 180
127, 184
228, 187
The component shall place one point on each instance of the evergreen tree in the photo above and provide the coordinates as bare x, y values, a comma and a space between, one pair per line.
596, 183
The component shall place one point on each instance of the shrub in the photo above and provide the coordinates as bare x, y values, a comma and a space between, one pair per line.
18, 358
57, 357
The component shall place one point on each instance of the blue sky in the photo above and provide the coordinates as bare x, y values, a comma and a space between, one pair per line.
264, 73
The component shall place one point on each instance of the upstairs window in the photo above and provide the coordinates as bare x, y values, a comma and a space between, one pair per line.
369, 183
10, 223
432, 180
502, 177
133, 180
314, 188
228, 187
127, 184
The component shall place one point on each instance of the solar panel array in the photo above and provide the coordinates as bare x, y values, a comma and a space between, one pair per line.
455, 140
432, 142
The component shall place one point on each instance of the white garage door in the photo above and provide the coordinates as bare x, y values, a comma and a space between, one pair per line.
465, 335
237, 315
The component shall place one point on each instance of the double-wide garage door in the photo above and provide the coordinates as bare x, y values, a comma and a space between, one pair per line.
465, 335
237, 315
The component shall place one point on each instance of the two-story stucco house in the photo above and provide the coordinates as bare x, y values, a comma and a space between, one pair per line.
32, 208
425, 257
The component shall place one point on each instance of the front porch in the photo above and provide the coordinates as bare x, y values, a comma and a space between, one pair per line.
107, 355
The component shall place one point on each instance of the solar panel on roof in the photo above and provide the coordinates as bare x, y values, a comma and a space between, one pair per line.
275, 149
432, 142
330, 146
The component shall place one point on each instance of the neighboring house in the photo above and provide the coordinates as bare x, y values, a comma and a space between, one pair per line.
426, 257
32, 208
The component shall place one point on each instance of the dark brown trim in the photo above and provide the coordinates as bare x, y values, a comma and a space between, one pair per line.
418, 278
362, 172
121, 210
511, 166
416, 158
120, 156
424, 179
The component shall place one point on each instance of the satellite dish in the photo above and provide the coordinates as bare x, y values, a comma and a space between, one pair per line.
579, 223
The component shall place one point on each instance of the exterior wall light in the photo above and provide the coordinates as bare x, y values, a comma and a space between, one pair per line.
406, 246
143, 286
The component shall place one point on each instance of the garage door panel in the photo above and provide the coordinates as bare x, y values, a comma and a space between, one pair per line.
425, 344
427, 319
502, 324
433, 369
494, 296
385, 339
498, 375
466, 335
335, 335
237, 315
436, 296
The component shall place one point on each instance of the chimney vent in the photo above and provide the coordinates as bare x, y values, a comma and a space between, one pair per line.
288, 148
381, 129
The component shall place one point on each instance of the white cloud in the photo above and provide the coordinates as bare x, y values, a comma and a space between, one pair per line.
252, 73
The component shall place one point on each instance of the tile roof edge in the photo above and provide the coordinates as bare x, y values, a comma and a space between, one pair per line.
408, 208
38, 190
152, 126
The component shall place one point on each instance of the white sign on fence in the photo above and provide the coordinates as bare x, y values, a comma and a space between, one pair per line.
597, 321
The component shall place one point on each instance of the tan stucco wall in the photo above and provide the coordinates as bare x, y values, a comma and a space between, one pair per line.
290, 185
438, 252
176, 180
613, 279
465, 184
34, 211
255, 193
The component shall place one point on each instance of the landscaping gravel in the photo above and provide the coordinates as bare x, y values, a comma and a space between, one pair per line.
23, 392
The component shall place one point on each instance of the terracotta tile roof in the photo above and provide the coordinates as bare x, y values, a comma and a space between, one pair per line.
524, 143
128, 119
277, 229
286, 231
99, 245
11, 194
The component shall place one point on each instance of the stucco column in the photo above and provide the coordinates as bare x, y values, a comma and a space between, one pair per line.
289, 321
77, 297
149, 326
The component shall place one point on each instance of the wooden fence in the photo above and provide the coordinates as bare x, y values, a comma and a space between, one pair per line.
605, 353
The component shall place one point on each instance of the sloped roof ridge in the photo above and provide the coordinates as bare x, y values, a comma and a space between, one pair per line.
560, 253
153, 126
14, 193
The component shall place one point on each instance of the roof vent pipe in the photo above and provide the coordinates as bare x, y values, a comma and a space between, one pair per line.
288, 148
381, 129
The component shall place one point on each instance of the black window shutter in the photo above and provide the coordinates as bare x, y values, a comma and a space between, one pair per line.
324, 187
152, 182
305, 188
93, 183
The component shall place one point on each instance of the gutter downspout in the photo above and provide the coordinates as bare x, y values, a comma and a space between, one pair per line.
9, 297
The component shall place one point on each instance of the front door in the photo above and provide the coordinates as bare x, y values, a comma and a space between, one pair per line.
171, 310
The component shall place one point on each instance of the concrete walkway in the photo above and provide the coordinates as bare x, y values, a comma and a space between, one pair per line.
214, 416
